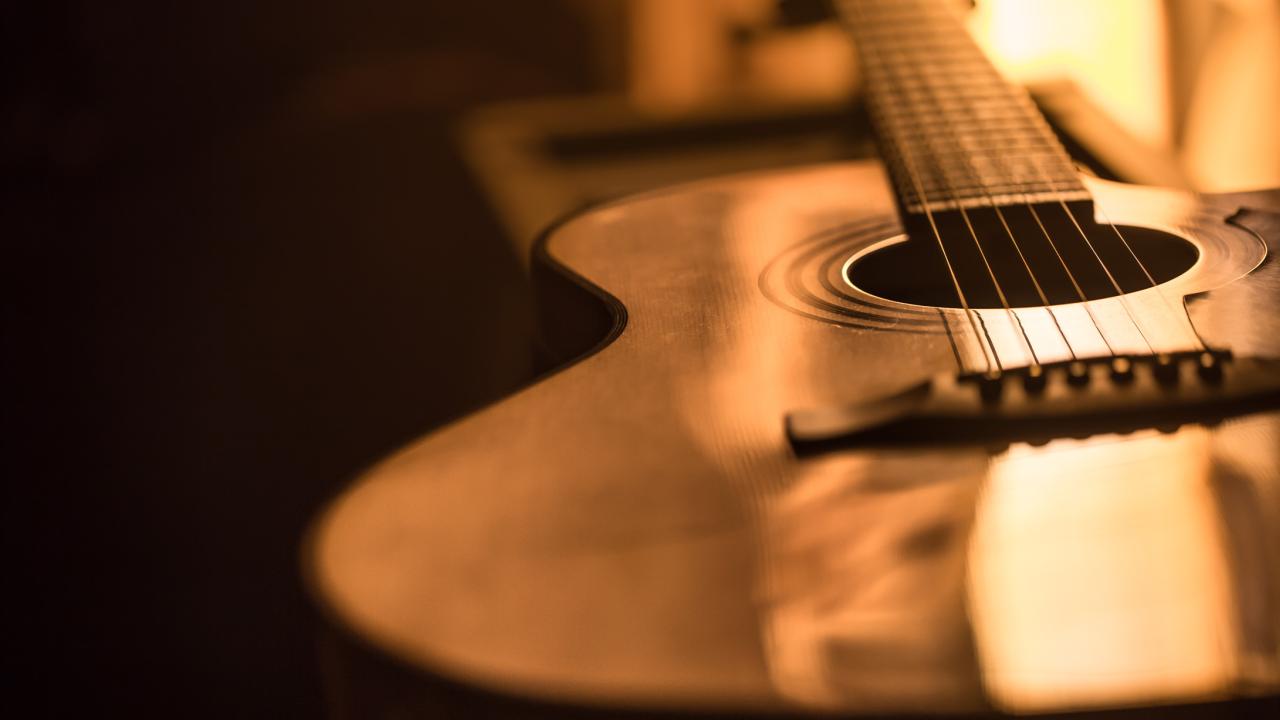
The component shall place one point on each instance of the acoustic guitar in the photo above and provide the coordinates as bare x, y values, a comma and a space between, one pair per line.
962, 431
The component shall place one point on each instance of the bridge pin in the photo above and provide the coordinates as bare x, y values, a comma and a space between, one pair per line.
1077, 373
991, 385
1209, 367
1165, 369
1034, 379
1121, 370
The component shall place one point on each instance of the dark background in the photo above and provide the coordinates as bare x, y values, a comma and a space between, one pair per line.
242, 260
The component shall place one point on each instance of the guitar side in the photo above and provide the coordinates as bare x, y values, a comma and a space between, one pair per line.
634, 531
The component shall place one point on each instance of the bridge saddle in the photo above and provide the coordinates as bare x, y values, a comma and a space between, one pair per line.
1035, 404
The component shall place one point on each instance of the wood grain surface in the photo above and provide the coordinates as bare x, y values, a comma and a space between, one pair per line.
635, 531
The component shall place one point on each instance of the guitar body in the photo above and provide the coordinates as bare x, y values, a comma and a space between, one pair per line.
637, 531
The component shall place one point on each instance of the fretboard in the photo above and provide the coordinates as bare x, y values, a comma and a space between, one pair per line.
953, 132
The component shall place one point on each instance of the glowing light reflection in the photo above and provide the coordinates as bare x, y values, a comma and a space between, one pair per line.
1098, 574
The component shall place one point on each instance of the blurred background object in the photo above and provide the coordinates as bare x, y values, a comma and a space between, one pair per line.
251, 247
1226, 72
1157, 92
1198, 79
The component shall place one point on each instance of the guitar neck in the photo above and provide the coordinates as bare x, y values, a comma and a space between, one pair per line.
954, 133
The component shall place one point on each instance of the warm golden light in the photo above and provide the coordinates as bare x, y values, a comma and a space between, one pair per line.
1115, 52
1098, 574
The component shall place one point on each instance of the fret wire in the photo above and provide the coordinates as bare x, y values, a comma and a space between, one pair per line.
1021, 174
1014, 322
974, 197
975, 174
1014, 132
1013, 175
968, 192
1023, 149
972, 84
903, 118
914, 44
972, 94
999, 159
969, 79
981, 128
930, 186
920, 39
981, 142
937, 67
987, 158
1006, 186
913, 101
971, 111
1007, 112
977, 142
973, 144
969, 313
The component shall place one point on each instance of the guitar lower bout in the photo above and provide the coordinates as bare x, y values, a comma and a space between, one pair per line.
636, 532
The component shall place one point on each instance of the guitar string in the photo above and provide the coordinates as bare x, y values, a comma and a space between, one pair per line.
1015, 322
991, 357
1124, 303
973, 174
1053, 185
889, 68
1188, 326
1084, 300
944, 172
1026, 201
1061, 201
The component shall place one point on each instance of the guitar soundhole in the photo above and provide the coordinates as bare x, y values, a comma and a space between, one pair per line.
915, 272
